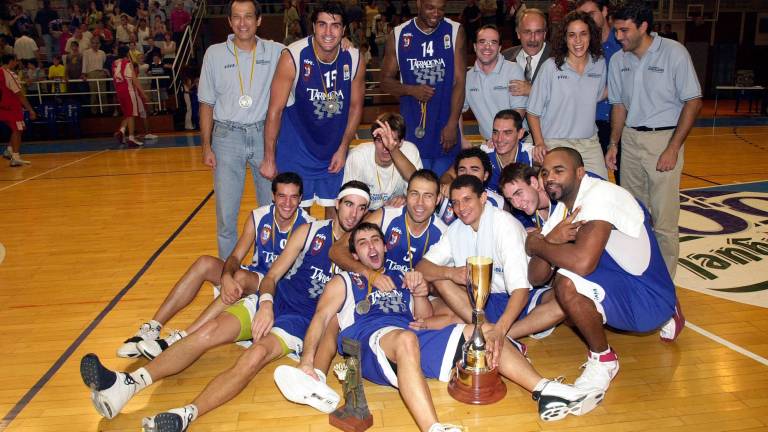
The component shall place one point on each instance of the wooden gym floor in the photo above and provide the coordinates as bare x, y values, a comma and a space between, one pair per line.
94, 240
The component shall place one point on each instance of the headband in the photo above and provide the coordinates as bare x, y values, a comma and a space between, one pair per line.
354, 191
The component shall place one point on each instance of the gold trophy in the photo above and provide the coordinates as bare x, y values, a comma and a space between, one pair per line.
473, 380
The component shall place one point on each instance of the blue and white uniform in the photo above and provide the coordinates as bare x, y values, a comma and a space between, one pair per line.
309, 134
524, 154
270, 241
397, 239
440, 349
446, 214
428, 59
631, 287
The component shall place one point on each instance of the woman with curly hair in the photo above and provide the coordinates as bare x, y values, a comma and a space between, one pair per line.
561, 107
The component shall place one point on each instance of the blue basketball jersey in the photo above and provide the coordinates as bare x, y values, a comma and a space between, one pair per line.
446, 214
524, 155
309, 133
299, 290
270, 241
399, 256
427, 59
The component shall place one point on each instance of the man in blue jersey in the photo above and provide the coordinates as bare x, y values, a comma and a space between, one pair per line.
598, 244
266, 232
392, 354
315, 107
424, 65
522, 188
275, 319
472, 161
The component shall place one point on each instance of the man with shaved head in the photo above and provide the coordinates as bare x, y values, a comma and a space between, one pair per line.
598, 243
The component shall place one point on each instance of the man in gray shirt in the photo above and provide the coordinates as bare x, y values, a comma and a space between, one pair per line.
488, 82
234, 94
654, 92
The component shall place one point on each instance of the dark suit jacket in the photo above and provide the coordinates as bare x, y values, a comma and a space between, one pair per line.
511, 55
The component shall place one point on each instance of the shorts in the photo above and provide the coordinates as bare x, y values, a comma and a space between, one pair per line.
439, 351
440, 164
15, 125
322, 191
288, 328
497, 303
129, 103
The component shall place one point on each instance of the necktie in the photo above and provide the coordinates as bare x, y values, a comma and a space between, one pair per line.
527, 68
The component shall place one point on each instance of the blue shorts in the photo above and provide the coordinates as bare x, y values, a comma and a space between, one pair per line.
322, 191
440, 164
439, 351
497, 303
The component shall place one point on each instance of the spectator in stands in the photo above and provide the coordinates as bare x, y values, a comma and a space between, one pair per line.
25, 48
294, 34
106, 36
43, 19
124, 30
488, 11
5, 49
55, 29
73, 64
32, 76
372, 17
168, 48
58, 72
159, 29
20, 22
142, 12
470, 19
95, 15
668, 33
156, 13
556, 16
114, 19
76, 15
77, 36
93, 69
143, 34
180, 19
157, 69
129, 7
135, 51
87, 35
187, 88
290, 17
109, 7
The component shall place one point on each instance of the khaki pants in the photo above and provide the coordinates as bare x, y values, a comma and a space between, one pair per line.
96, 86
590, 151
659, 191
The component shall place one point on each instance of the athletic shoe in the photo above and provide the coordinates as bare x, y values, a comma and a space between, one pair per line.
557, 400
16, 162
599, 370
146, 332
153, 348
301, 388
445, 427
110, 391
175, 420
120, 136
150, 136
674, 326
7, 153
133, 142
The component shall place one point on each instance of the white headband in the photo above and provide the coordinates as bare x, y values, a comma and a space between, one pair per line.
354, 191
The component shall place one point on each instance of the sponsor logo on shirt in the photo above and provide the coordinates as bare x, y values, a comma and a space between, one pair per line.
317, 94
229, 66
317, 244
407, 38
626, 69
562, 76
426, 64
474, 89
307, 69
655, 69
394, 238
347, 74
266, 232
594, 75
501, 87
447, 41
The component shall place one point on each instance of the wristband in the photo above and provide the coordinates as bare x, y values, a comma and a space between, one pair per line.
266, 297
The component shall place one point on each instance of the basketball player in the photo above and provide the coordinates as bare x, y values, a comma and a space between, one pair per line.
428, 54
11, 112
276, 319
315, 106
475, 162
130, 95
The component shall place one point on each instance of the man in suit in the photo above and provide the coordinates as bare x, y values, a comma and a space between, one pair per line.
532, 51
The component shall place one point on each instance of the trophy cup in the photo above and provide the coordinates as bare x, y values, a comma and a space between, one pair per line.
473, 380
354, 416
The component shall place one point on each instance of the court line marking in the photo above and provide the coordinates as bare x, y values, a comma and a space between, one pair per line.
52, 170
727, 344
32, 392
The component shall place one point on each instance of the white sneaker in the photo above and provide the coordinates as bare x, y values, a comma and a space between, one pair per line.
154, 347
110, 391
445, 427
17, 162
7, 153
674, 326
174, 420
599, 370
150, 136
147, 331
301, 388
557, 400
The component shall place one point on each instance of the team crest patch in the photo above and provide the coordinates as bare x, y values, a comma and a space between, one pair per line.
407, 37
394, 238
356, 280
447, 41
347, 74
317, 244
307, 70
266, 233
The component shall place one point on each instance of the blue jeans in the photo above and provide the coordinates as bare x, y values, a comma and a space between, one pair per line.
236, 145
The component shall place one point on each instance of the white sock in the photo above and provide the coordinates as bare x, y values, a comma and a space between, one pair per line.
601, 353
142, 377
15, 155
155, 324
130, 137
183, 411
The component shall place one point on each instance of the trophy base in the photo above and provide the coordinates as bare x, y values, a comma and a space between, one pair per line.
476, 388
350, 423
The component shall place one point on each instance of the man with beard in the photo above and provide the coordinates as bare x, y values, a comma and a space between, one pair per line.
276, 319
608, 270
522, 188
424, 65
392, 354
315, 108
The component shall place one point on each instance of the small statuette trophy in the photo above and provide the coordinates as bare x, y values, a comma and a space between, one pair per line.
353, 416
473, 380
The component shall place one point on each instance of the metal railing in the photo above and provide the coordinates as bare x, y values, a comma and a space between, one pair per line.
186, 47
43, 95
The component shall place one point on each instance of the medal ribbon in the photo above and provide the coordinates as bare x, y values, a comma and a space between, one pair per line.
514, 159
240, 75
322, 79
274, 224
408, 242
423, 121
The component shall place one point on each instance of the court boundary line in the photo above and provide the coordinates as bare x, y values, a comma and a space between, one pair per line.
52, 170
32, 392
726, 343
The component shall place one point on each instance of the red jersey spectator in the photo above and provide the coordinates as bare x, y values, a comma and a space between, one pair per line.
180, 19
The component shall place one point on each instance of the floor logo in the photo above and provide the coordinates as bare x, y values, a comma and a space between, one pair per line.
724, 242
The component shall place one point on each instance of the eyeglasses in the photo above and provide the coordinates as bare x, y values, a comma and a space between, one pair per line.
537, 33
490, 43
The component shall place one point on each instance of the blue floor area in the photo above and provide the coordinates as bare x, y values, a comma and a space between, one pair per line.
185, 140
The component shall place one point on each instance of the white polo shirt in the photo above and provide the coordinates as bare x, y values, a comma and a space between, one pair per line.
487, 94
565, 101
654, 88
499, 236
